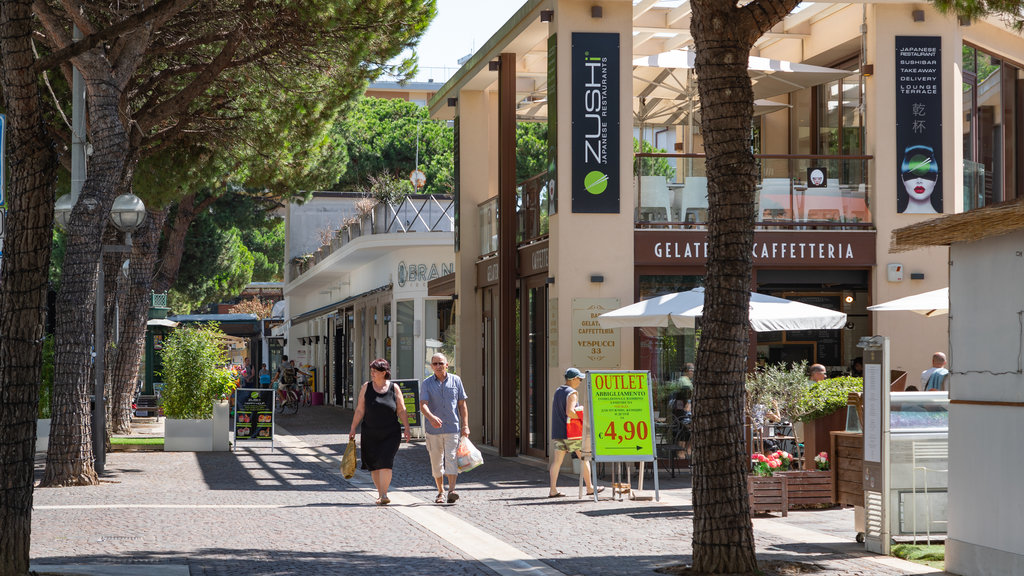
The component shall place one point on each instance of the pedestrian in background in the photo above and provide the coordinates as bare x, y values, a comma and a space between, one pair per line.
264, 376
443, 405
817, 372
934, 378
563, 410
381, 410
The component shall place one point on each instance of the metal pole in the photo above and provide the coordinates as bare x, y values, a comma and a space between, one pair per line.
99, 426
77, 128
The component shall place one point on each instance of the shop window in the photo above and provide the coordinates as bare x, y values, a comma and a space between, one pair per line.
991, 128
405, 333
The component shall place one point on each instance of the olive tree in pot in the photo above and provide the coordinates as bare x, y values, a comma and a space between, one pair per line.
196, 378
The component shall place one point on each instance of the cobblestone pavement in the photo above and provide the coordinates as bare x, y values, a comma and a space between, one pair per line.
289, 512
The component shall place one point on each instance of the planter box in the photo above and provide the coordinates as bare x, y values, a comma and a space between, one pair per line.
809, 486
188, 435
817, 434
768, 493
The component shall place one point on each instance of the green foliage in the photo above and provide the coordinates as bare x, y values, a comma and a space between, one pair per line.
193, 372
380, 141
778, 387
531, 149
825, 397
933, 555
652, 166
46, 381
233, 243
57, 251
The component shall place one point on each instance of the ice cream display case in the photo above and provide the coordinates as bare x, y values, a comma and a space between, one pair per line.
918, 462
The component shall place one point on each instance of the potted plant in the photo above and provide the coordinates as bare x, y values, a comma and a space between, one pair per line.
195, 378
767, 491
822, 409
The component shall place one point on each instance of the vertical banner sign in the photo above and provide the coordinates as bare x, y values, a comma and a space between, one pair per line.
621, 410
254, 414
411, 398
918, 124
596, 177
552, 124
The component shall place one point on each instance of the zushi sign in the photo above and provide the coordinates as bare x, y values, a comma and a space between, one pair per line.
595, 123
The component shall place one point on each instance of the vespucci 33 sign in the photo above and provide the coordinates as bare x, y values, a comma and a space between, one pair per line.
595, 123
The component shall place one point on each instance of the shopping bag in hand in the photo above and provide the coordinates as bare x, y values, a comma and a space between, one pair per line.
348, 461
467, 456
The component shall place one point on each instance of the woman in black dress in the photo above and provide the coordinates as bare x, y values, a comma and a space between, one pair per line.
380, 409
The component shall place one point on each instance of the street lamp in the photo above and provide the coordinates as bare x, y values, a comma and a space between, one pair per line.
127, 214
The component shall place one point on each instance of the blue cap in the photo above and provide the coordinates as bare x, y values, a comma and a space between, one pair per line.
573, 373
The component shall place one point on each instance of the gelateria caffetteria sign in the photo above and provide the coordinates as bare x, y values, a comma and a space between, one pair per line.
690, 247
596, 177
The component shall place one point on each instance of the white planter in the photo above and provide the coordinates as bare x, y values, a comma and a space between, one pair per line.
221, 422
42, 434
188, 435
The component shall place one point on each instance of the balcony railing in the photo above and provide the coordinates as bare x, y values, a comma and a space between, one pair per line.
416, 213
793, 191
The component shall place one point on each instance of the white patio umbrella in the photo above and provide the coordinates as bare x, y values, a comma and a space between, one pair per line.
666, 75
681, 309
929, 304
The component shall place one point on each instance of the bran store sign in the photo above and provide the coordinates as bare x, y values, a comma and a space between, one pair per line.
413, 273
596, 178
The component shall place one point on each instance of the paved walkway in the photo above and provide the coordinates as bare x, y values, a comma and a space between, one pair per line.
289, 512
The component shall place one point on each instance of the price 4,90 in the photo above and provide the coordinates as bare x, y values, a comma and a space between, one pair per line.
630, 430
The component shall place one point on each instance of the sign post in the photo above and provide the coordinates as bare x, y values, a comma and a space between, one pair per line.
876, 444
254, 416
411, 396
621, 412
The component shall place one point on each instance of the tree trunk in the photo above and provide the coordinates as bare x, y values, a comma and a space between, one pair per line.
135, 312
174, 240
69, 460
723, 540
32, 162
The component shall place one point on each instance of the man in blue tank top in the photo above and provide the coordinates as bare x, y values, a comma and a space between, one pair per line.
563, 409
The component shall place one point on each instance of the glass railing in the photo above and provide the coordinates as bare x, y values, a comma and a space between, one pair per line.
793, 190
488, 213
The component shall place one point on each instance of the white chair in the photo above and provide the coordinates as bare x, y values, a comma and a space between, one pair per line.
695, 196
655, 196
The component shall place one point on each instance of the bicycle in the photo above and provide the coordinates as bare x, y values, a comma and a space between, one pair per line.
291, 400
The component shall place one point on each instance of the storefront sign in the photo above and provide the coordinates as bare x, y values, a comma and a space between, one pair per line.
553, 332
596, 177
621, 410
411, 397
797, 248
487, 272
918, 124
533, 259
254, 414
420, 272
592, 345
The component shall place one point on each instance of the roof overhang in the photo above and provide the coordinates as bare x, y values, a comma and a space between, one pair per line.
969, 226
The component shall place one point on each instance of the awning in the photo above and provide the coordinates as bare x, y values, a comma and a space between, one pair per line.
316, 313
162, 322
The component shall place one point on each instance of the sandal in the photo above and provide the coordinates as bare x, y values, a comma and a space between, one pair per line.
556, 495
452, 497
599, 490
440, 498
384, 500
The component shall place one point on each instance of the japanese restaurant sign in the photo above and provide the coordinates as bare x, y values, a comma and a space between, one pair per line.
593, 345
254, 414
596, 177
621, 415
918, 124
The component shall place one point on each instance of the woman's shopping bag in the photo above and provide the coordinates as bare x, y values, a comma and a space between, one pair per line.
467, 456
348, 461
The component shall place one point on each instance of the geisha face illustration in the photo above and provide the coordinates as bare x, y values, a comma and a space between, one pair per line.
920, 172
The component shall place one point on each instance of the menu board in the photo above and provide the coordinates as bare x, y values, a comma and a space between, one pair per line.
830, 343
621, 410
254, 414
411, 395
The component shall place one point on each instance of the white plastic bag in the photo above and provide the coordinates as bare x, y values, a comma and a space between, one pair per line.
467, 456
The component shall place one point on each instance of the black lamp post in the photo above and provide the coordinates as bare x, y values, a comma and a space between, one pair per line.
127, 214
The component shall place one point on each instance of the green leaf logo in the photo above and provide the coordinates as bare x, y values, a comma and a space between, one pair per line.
596, 182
